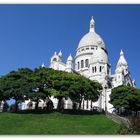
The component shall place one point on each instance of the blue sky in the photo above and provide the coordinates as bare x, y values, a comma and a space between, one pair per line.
29, 34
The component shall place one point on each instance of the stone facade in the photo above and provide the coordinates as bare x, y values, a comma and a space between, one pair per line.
92, 61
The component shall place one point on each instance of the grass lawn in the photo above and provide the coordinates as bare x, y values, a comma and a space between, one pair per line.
55, 123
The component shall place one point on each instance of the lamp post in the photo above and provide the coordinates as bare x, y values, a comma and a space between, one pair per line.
100, 99
105, 99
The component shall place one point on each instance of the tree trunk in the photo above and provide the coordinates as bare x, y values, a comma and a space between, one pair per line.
136, 113
80, 103
50, 105
36, 105
60, 106
74, 106
16, 106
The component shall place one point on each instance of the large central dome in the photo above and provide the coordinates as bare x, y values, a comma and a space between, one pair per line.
91, 38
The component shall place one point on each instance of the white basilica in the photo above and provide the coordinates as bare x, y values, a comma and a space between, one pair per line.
92, 61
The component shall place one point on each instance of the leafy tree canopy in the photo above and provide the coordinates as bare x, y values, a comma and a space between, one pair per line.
127, 97
45, 82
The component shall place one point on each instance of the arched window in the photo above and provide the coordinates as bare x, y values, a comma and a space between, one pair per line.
95, 68
107, 70
100, 69
78, 65
30, 105
92, 69
91, 26
86, 63
128, 84
82, 63
55, 59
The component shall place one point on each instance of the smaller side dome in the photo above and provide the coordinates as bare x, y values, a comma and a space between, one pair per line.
55, 57
99, 56
43, 65
122, 60
70, 58
60, 54
119, 70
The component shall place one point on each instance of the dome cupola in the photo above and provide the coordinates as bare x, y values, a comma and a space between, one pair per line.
92, 25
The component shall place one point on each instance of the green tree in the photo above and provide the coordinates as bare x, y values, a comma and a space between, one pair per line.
84, 89
15, 85
42, 83
126, 97
61, 83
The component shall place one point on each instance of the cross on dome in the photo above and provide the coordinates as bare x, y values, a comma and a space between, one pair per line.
55, 53
92, 20
121, 53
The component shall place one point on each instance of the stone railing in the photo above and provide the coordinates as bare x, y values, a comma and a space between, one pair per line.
118, 119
